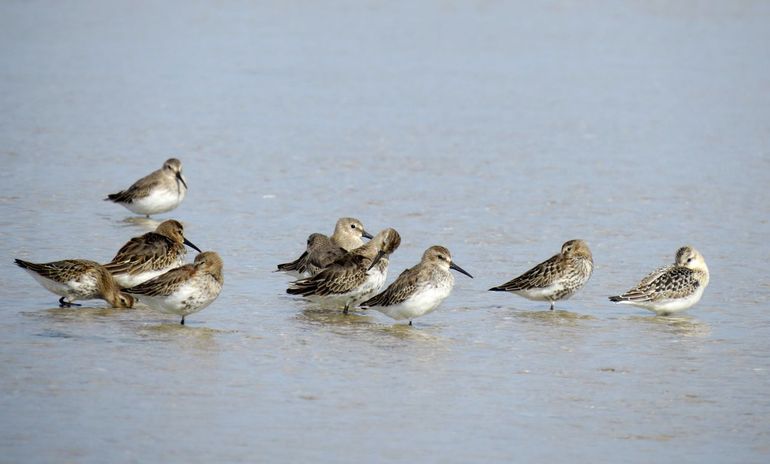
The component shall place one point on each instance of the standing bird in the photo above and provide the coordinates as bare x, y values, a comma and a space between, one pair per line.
672, 288
158, 192
353, 278
420, 289
186, 289
150, 255
77, 279
321, 250
557, 278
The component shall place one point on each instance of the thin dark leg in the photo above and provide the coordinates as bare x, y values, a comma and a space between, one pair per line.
148, 216
410, 322
66, 304
182, 320
345, 310
552, 306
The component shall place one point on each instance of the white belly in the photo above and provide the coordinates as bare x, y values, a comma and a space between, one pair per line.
84, 288
375, 280
126, 280
419, 304
132, 280
160, 200
188, 299
541, 294
669, 306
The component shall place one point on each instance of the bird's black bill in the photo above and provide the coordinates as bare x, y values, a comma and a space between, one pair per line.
377, 259
459, 269
181, 179
191, 245
366, 234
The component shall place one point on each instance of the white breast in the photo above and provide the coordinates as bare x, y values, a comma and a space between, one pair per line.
423, 301
160, 200
541, 294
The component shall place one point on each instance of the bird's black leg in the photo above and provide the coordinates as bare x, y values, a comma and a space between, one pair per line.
552, 306
66, 304
410, 322
182, 323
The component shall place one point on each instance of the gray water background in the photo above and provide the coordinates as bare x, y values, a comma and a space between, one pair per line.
497, 129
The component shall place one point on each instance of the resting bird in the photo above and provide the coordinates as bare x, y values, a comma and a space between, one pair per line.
321, 250
150, 255
557, 278
353, 278
186, 289
672, 288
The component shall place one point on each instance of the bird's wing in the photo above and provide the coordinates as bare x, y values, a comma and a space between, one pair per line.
324, 256
342, 276
397, 292
58, 271
139, 189
539, 276
670, 283
140, 254
295, 265
164, 284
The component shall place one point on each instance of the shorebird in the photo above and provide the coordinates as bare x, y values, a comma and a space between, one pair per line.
186, 289
321, 250
671, 288
557, 278
150, 255
420, 289
355, 277
77, 279
158, 192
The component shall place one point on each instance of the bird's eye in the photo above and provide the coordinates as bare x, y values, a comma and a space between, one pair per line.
689, 260
352, 226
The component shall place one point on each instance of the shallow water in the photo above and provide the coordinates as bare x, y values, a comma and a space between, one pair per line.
499, 131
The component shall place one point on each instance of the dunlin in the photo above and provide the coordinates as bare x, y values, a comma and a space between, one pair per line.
321, 250
158, 192
150, 255
420, 289
186, 289
672, 288
557, 278
77, 279
357, 276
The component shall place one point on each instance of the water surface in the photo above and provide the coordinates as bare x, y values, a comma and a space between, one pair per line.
499, 131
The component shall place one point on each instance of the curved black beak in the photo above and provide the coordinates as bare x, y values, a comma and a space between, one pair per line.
191, 245
181, 179
459, 269
366, 234
377, 258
